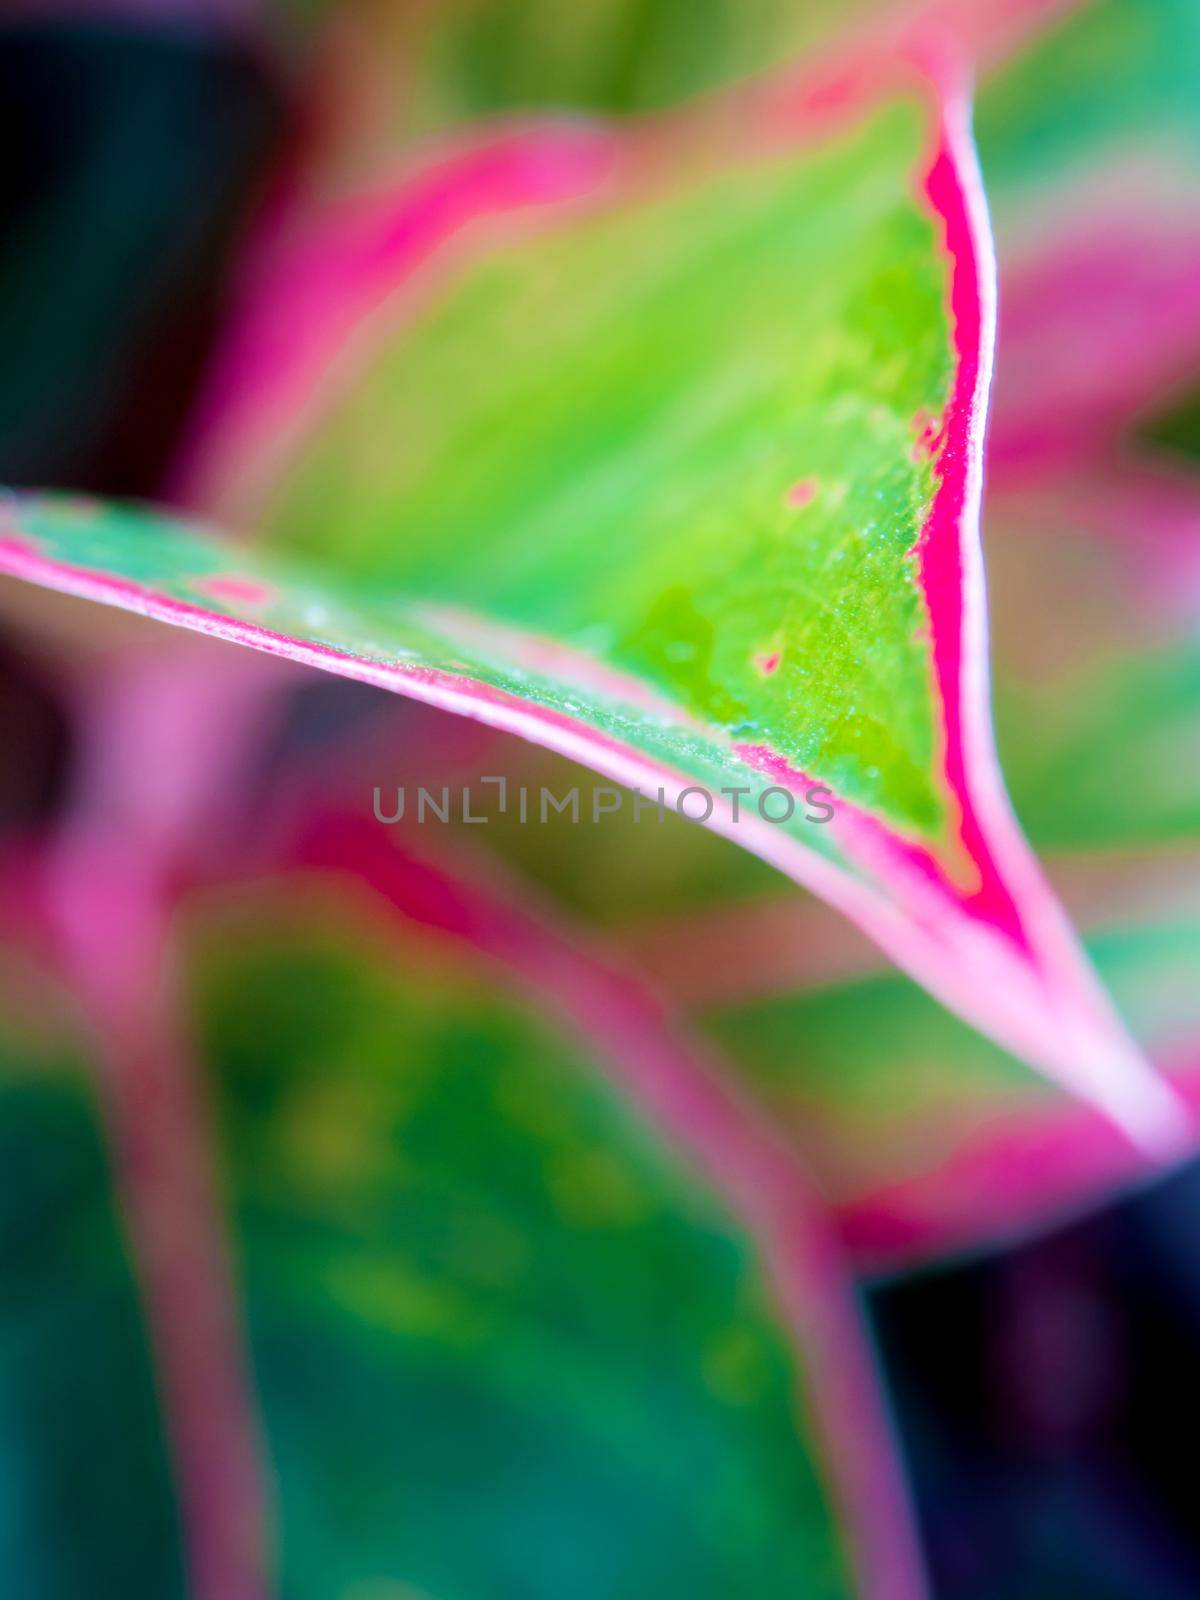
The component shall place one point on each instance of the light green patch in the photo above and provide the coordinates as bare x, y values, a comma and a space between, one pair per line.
1112, 760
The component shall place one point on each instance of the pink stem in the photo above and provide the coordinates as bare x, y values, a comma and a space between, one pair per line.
150, 767
111, 923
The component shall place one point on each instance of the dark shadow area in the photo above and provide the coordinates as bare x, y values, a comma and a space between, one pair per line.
131, 155
1045, 1395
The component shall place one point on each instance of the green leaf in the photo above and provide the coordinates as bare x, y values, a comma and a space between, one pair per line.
505, 1336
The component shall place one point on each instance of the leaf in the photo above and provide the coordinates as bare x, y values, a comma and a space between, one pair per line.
931, 1140
1112, 81
675, 524
569, 1280
515, 1264
928, 1139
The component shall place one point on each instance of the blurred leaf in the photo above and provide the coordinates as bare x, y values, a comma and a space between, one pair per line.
1089, 146
1099, 722
85, 1500
930, 1139
474, 58
1113, 79
506, 1340
392, 74
515, 1265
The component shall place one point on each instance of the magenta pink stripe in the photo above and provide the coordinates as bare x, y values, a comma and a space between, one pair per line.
948, 526
1013, 895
